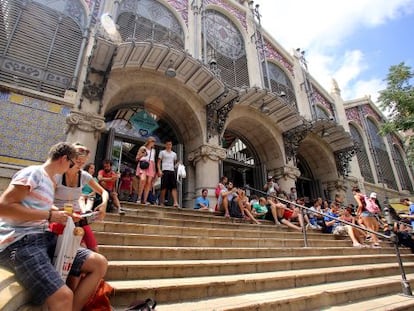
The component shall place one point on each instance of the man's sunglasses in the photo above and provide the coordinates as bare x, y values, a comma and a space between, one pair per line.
72, 163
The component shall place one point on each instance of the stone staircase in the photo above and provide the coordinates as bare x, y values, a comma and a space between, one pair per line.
191, 260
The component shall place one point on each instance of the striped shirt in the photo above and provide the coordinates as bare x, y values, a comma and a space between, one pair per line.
41, 188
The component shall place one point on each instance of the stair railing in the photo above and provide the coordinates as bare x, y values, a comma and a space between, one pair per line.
406, 289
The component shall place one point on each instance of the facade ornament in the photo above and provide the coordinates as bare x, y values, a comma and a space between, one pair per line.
85, 122
342, 159
293, 137
93, 91
286, 172
217, 112
207, 152
338, 185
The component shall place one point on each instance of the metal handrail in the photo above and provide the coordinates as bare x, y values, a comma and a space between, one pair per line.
406, 289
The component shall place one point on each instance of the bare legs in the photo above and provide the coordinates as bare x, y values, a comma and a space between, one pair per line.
173, 193
145, 185
74, 298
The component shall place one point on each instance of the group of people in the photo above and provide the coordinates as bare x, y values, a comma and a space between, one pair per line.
31, 212
285, 208
139, 185
34, 211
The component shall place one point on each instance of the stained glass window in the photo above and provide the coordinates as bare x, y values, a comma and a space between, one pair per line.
225, 45
384, 169
280, 82
402, 170
362, 155
149, 20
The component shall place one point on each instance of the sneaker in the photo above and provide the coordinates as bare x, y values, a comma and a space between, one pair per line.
138, 202
121, 211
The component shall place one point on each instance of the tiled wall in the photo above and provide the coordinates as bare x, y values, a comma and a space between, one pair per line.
28, 127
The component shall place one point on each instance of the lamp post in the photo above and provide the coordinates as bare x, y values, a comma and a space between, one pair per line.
258, 25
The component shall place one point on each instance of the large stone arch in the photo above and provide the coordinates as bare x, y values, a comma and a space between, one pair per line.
167, 98
320, 160
261, 132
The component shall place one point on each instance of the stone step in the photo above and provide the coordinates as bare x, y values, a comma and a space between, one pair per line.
12, 295
248, 232
201, 288
130, 239
306, 298
158, 269
230, 223
120, 252
397, 302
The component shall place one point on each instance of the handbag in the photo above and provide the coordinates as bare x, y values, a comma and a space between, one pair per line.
144, 164
66, 248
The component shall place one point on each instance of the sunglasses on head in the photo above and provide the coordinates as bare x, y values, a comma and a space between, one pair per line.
82, 151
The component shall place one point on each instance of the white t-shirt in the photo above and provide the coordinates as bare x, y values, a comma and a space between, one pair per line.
168, 160
64, 194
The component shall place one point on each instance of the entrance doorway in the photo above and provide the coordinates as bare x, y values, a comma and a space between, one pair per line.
307, 186
127, 130
241, 166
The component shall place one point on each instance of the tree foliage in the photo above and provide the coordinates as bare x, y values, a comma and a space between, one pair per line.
398, 101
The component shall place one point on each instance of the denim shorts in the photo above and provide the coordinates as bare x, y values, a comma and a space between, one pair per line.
30, 259
367, 214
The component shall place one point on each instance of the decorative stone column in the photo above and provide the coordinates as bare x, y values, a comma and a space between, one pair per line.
85, 128
206, 159
286, 176
336, 187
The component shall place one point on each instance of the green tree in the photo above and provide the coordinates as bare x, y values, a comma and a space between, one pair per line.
398, 102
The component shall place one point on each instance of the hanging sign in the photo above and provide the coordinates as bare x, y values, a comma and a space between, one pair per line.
144, 123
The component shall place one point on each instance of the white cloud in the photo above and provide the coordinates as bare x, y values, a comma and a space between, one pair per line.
319, 27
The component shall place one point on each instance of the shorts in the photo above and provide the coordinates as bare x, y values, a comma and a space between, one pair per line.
168, 180
340, 230
30, 258
287, 214
367, 214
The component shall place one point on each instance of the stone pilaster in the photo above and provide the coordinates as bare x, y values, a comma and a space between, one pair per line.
206, 159
85, 127
286, 176
336, 187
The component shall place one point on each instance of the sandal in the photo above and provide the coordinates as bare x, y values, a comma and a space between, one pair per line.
227, 215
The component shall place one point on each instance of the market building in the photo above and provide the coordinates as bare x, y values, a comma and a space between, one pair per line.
203, 73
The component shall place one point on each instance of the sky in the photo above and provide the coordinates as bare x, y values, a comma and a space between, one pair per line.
354, 42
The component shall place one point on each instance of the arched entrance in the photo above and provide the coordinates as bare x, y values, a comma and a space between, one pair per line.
240, 164
317, 167
127, 129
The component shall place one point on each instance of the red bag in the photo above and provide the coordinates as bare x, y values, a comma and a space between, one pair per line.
217, 191
100, 300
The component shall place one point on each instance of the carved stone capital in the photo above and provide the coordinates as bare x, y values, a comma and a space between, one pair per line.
85, 122
286, 172
207, 152
336, 185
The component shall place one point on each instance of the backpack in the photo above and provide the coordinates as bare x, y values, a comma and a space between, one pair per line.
100, 300
371, 206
